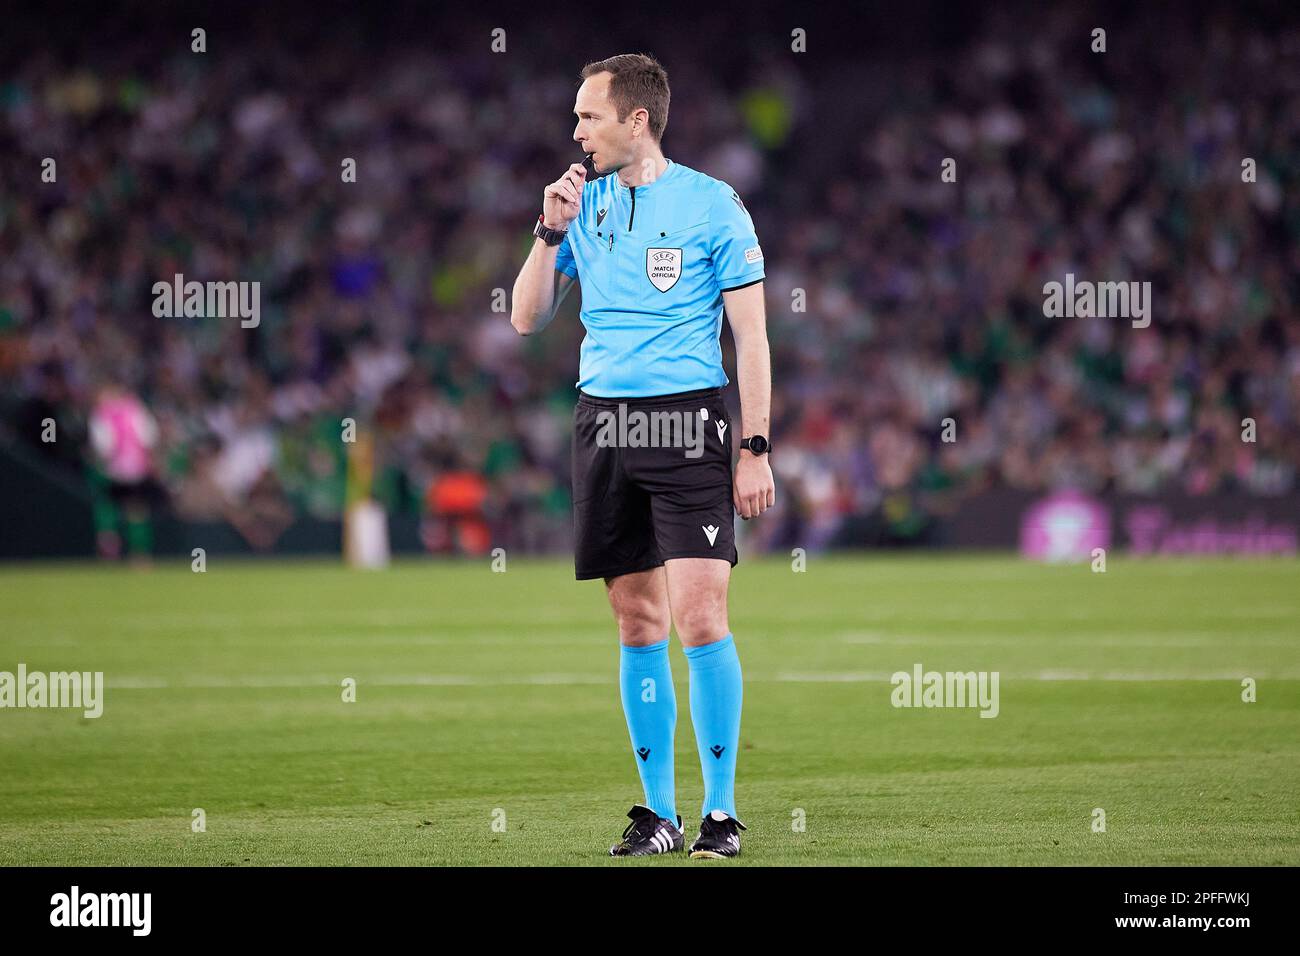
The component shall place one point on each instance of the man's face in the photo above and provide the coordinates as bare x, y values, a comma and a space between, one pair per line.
598, 131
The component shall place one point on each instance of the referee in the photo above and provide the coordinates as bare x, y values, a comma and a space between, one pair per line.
659, 249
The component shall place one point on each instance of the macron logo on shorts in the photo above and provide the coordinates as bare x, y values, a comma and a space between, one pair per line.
710, 532
722, 429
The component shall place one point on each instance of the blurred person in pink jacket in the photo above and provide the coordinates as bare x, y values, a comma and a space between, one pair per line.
123, 434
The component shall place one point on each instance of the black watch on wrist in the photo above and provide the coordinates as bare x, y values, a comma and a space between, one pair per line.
552, 237
757, 444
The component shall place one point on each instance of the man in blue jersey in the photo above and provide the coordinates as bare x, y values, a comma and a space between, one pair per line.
659, 250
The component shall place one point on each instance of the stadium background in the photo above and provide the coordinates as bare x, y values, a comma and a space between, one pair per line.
923, 299
486, 727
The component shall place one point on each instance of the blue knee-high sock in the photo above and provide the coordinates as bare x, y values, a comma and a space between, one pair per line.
645, 681
716, 693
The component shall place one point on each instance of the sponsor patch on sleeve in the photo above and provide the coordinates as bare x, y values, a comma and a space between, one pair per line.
754, 254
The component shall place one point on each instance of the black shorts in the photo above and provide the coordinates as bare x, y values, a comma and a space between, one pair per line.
644, 495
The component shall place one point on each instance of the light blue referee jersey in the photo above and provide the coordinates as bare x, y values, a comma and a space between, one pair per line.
653, 261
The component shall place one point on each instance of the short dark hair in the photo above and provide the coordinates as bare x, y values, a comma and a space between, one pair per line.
637, 80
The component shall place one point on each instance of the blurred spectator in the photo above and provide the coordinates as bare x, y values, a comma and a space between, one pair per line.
123, 434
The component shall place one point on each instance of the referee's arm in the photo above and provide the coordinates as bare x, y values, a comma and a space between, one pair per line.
753, 490
541, 286
535, 300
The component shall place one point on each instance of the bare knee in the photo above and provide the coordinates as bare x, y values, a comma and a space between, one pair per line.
641, 623
697, 589
702, 624
641, 612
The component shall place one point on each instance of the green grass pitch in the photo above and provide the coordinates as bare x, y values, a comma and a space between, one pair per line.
487, 697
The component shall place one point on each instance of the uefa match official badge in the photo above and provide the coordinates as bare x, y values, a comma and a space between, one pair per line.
663, 267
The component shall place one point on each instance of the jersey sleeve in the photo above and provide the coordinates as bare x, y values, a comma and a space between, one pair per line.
737, 258
564, 260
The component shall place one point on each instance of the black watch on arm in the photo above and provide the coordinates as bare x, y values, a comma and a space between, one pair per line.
756, 444
552, 237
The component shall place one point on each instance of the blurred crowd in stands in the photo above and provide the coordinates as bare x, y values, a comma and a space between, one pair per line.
896, 299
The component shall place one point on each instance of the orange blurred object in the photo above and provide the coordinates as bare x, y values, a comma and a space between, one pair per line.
457, 493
